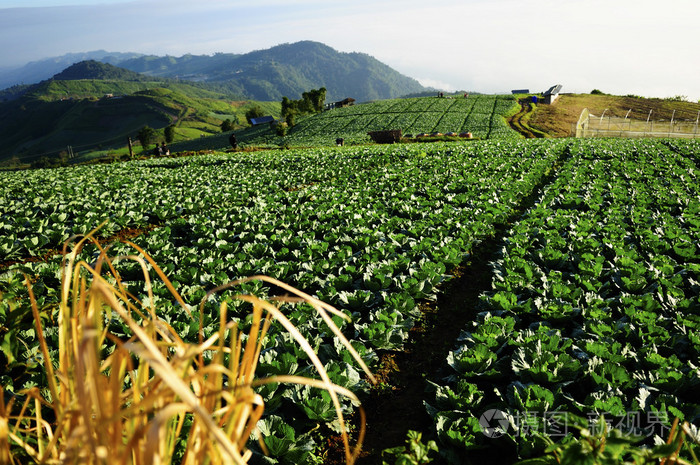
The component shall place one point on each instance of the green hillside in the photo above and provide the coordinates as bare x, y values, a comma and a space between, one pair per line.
92, 105
482, 115
285, 70
91, 69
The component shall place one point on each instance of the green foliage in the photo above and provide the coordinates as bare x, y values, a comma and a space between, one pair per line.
145, 136
227, 125
311, 102
169, 133
591, 286
593, 303
74, 120
287, 69
284, 444
91, 69
413, 453
597, 92
281, 129
254, 112
50, 162
598, 444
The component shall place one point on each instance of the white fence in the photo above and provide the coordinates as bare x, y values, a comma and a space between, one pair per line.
590, 125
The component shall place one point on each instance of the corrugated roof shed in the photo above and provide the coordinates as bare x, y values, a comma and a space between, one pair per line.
261, 120
554, 90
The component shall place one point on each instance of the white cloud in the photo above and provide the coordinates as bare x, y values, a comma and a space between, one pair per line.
479, 45
436, 84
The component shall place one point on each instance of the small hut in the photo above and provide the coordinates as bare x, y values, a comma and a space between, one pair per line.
552, 94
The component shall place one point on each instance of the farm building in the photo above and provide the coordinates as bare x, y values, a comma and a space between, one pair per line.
262, 120
343, 103
520, 91
552, 94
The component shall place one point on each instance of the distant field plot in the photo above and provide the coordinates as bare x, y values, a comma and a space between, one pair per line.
482, 115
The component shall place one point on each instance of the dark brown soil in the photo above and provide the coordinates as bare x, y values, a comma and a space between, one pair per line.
393, 411
517, 122
396, 406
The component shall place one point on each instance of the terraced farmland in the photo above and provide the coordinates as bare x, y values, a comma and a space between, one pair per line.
592, 306
482, 115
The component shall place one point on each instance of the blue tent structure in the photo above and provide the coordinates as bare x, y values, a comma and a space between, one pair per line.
261, 120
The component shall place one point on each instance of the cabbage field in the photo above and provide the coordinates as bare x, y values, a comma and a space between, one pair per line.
592, 308
482, 115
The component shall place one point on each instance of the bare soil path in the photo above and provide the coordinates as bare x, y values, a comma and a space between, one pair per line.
398, 406
518, 123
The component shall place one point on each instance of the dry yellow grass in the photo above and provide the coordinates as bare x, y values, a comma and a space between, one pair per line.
126, 401
558, 119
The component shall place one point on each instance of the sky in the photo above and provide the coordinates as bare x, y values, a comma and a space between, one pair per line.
641, 47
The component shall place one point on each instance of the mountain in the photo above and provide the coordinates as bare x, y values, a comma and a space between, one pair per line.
285, 70
94, 79
91, 69
37, 71
265, 75
91, 104
96, 103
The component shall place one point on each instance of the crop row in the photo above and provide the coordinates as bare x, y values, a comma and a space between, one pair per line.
594, 308
594, 304
481, 115
372, 231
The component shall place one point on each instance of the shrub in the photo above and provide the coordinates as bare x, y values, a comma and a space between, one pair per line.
254, 112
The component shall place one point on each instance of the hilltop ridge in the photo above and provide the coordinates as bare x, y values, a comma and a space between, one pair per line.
266, 75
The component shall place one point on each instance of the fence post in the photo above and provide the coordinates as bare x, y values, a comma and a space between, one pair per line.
670, 127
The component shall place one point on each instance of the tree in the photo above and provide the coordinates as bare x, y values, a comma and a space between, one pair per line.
146, 135
315, 100
227, 125
254, 112
281, 129
289, 110
311, 102
169, 133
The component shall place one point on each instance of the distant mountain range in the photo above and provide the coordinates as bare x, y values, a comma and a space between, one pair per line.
96, 103
40, 70
266, 75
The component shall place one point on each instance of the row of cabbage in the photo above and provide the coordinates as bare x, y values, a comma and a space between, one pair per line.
41, 209
370, 230
482, 115
594, 308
